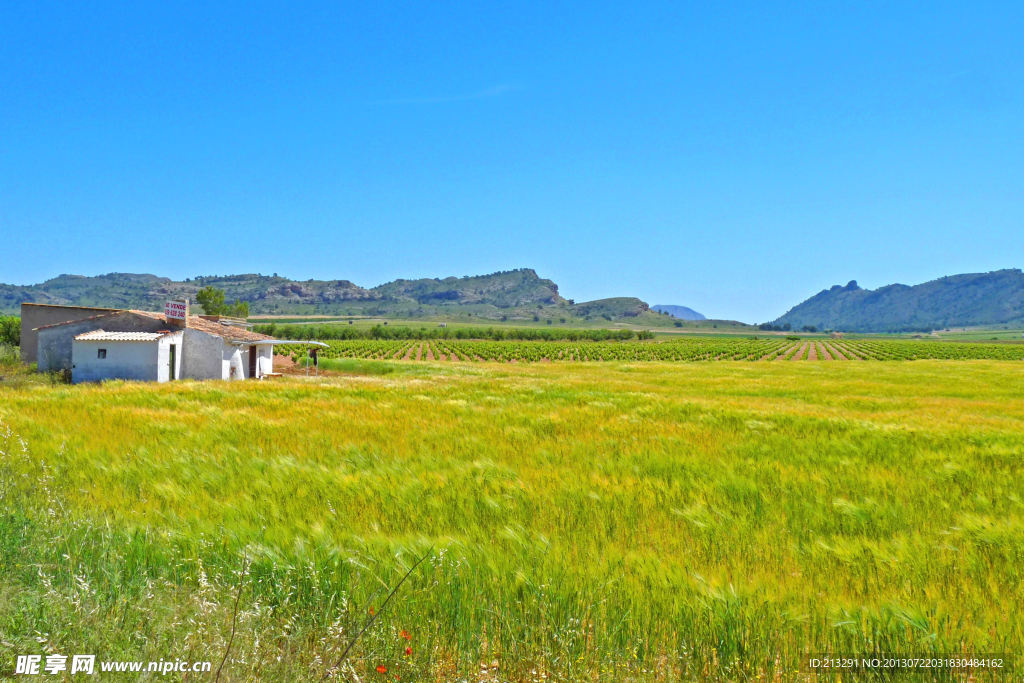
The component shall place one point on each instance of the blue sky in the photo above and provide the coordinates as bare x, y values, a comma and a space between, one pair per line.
728, 157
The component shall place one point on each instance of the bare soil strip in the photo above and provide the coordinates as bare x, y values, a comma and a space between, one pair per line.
430, 351
408, 353
800, 354
850, 353
825, 352
283, 363
836, 353
813, 355
419, 352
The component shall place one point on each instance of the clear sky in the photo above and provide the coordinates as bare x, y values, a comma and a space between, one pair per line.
725, 156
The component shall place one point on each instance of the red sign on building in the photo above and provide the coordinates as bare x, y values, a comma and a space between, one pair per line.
176, 309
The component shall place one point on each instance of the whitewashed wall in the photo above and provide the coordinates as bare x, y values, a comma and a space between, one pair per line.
125, 360
264, 359
144, 361
203, 356
236, 362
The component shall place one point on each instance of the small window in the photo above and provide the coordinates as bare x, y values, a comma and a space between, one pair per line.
102, 353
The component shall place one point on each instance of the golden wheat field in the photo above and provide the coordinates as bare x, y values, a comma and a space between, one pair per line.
615, 521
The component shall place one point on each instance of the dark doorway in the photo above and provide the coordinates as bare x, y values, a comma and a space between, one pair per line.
252, 362
170, 371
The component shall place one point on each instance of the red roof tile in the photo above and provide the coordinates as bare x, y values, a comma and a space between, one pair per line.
229, 332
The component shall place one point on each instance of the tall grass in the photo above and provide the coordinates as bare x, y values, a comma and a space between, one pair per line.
10, 356
635, 521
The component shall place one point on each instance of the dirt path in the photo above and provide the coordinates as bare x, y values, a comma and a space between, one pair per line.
848, 352
835, 352
419, 352
813, 355
825, 355
800, 354
430, 351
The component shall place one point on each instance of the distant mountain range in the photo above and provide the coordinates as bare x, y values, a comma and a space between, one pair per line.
969, 300
507, 295
680, 312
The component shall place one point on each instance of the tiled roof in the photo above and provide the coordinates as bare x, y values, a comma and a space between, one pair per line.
217, 329
102, 335
229, 332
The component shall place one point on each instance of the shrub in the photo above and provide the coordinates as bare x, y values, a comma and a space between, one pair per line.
10, 330
9, 356
213, 302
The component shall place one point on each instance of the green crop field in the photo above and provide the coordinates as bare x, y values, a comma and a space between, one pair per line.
581, 521
692, 349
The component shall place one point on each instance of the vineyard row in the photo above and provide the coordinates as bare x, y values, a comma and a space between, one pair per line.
677, 350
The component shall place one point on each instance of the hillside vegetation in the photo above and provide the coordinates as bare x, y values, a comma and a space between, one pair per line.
515, 295
973, 299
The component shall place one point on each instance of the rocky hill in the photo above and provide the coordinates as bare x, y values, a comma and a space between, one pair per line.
969, 300
507, 295
506, 289
149, 292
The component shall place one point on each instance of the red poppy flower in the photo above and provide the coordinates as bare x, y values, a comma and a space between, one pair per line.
381, 669
404, 634
408, 651
371, 611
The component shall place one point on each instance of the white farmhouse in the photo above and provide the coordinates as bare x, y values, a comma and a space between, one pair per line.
144, 356
141, 345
